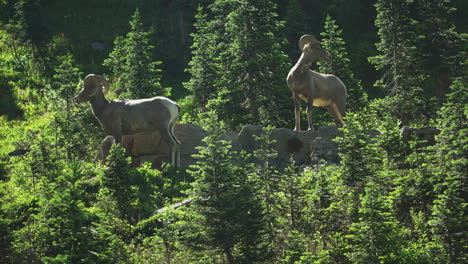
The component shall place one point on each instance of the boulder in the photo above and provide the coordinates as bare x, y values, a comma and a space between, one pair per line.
303, 148
426, 134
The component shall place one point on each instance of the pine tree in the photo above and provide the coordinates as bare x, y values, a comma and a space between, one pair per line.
67, 74
450, 208
296, 26
118, 180
68, 120
333, 43
253, 66
61, 230
202, 68
402, 74
116, 61
232, 215
359, 156
132, 62
440, 48
375, 237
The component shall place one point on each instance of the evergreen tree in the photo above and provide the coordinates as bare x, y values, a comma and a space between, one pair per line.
132, 61
296, 26
253, 67
202, 68
116, 61
67, 74
61, 230
359, 156
441, 50
232, 215
118, 180
402, 74
70, 121
333, 43
375, 237
450, 208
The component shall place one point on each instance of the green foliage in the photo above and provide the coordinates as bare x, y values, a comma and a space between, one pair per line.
65, 79
416, 56
251, 83
131, 62
232, 217
375, 237
60, 230
441, 50
296, 25
202, 69
386, 201
118, 180
359, 155
448, 220
334, 44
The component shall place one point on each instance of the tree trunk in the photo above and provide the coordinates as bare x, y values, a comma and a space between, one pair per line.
229, 256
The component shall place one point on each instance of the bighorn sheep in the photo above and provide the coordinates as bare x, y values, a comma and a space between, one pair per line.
317, 89
128, 117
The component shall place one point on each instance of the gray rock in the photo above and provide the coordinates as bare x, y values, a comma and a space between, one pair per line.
426, 134
305, 148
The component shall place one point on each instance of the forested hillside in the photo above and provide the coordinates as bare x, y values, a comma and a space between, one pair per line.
390, 198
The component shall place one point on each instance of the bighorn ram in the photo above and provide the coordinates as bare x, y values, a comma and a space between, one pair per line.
128, 117
317, 89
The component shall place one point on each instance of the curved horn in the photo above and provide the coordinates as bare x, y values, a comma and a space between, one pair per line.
104, 82
91, 83
307, 39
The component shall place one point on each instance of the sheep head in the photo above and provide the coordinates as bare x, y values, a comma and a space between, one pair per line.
310, 46
91, 84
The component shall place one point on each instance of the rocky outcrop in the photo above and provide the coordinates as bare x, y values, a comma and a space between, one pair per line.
426, 135
305, 147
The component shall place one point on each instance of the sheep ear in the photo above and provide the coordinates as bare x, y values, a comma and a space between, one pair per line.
307, 39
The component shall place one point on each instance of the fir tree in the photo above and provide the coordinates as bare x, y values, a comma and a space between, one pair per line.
441, 50
67, 74
333, 43
202, 68
450, 208
118, 180
61, 229
402, 74
68, 120
359, 157
116, 61
375, 237
253, 67
232, 215
296, 26
132, 61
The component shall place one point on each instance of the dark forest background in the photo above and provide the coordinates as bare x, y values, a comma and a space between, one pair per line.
225, 62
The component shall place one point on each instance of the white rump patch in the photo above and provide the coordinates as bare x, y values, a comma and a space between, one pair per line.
171, 106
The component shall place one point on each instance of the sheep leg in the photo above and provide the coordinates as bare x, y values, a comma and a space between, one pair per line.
177, 157
309, 114
297, 113
341, 104
174, 138
166, 136
117, 131
335, 112
171, 132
